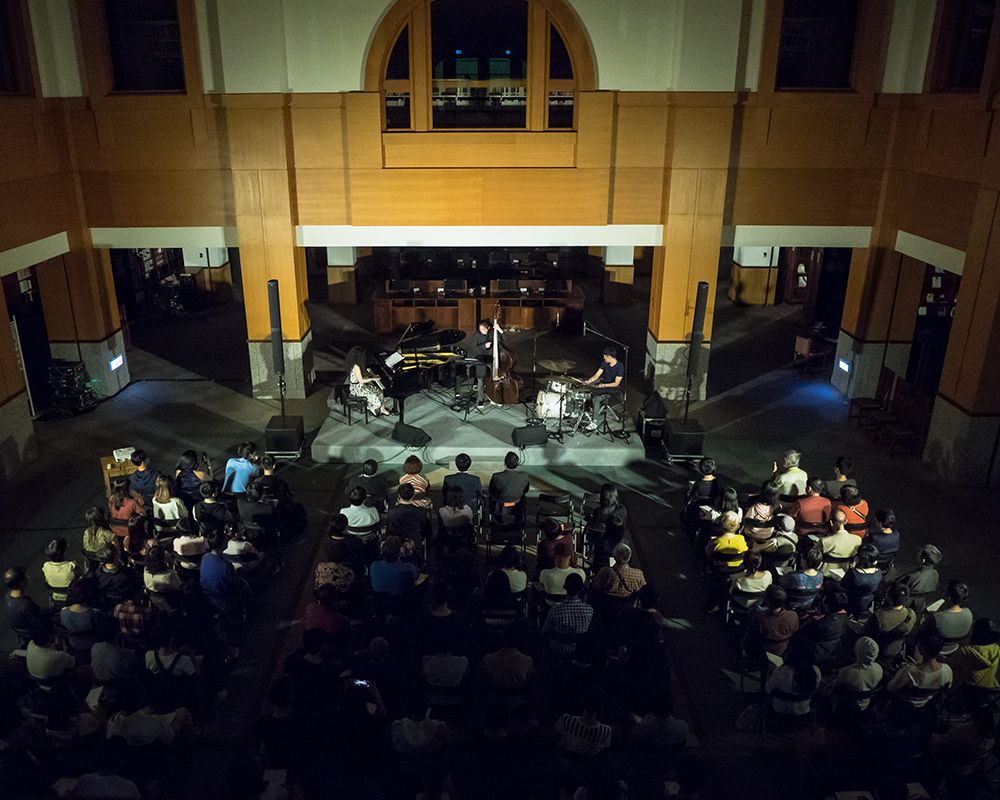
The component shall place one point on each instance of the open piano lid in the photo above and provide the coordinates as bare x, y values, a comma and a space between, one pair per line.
422, 336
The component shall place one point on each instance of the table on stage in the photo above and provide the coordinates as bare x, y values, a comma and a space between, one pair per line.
525, 304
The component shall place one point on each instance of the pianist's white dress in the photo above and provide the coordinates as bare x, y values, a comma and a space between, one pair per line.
369, 391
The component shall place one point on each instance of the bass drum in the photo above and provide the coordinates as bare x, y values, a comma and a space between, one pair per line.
547, 405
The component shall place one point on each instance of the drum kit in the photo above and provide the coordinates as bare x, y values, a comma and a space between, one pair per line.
563, 398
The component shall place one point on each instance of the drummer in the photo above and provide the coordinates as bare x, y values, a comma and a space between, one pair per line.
482, 350
607, 380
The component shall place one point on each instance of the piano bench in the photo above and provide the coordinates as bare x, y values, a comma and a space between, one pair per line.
347, 402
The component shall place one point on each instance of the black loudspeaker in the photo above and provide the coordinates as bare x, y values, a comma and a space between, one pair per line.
409, 435
697, 330
283, 436
683, 440
650, 420
529, 435
274, 311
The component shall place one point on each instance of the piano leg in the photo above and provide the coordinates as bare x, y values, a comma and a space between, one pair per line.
402, 409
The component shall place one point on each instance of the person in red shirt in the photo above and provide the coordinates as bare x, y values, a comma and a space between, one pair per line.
813, 511
855, 509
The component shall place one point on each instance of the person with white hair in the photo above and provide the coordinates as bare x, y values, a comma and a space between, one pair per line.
620, 580
792, 480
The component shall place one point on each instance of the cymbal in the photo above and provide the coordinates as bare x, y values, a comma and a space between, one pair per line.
556, 365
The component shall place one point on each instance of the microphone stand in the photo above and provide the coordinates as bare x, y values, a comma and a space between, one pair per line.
622, 433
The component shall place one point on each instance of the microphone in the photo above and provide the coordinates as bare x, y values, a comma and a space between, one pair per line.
585, 327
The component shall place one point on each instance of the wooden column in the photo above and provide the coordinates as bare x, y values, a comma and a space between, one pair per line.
266, 216
965, 427
697, 157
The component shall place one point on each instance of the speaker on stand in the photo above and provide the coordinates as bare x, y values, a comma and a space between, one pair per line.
284, 434
684, 439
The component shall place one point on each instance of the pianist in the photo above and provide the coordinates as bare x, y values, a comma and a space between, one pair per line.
363, 384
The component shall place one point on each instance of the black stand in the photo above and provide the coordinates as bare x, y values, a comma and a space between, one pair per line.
621, 433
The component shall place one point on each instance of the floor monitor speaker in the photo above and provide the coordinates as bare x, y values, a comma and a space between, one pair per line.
529, 435
683, 440
409, 435
283, 436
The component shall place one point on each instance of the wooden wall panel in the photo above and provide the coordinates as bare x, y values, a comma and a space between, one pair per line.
637, 195
35, 208
52, 280
805, 197
318, 138
479, 197
936, 208
595, 124
322, 196
364, 130
256, 138
449, 150
640, 136
701, 137
158, 199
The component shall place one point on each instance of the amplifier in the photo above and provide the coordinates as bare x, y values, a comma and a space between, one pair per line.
529, 435
683, 441
283, 436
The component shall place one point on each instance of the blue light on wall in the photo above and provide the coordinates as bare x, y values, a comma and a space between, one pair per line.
844, 366
116, 362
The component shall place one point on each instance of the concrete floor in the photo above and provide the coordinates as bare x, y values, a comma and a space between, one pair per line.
746, 426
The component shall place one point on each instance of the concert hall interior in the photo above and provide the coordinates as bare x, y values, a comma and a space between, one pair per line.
499, 398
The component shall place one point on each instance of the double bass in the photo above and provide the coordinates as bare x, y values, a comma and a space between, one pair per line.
503, 385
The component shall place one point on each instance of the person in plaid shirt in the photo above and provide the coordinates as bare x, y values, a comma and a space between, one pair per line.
568, 619
134, 616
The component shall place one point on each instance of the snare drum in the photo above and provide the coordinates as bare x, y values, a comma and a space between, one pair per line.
547, 405
558, 386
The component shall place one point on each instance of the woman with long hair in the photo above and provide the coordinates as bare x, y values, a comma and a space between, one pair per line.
122, 506
96, 536
363, 384
189, 474
167, 508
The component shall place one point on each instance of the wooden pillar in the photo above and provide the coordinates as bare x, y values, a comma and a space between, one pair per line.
81, 313
964, 435
265, 222
699, 131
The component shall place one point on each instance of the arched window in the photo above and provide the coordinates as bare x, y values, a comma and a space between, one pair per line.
501, 65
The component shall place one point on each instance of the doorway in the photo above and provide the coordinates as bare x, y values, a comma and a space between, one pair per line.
31, 338
939, 296
184, 307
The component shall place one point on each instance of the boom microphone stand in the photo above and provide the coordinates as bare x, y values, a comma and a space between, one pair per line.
621, 433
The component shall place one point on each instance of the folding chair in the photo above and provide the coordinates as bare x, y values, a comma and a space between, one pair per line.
859, 406
558, 507
741, 605
505, 531
896, 412
910, 433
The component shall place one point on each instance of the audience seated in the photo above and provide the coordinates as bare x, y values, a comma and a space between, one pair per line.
862, 676
45, 661
241, 469
922, 582
209, 512
861, 581
116, 582
96, 536
508, 668
509, 488
773, 626
884, 536
843, 475
953, 622
916, 680
839, 547
553, 579
976, 663
802, 586
413, 476
891, 624
392, 576
855, 509
471, 485
22, 613
59, 572
620, 581
189, 474
358, 513
813, 510
376, 489
167, 508
569, 620
790, 688
122, 506
455, 514
273, 488
789, 477
510, 561
760, 516
407, 518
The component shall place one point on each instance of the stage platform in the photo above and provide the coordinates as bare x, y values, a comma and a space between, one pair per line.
486, 437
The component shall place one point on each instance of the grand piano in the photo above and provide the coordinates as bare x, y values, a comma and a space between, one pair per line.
420, 354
